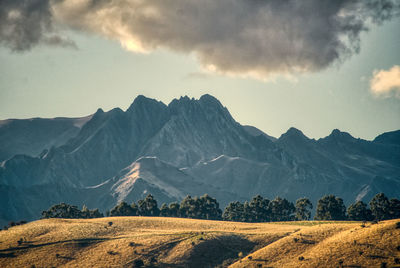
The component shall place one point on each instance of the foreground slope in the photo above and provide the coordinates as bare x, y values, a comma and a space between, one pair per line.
168, 242
173, 242
336, 245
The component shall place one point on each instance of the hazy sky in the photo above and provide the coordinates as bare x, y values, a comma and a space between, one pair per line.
308, 64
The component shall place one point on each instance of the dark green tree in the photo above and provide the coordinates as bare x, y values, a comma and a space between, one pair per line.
234, 212
122, 209
90, 214
359, 212
62, 210
174, 209
164, 210
148, 206
95, 213
204, 207
248, 215
186, 207
135, 209
303, 207
394, 208
330, 207
258, 209
208, 208
379, 205
281, 209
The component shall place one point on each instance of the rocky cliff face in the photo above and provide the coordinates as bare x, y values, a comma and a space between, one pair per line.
188, 147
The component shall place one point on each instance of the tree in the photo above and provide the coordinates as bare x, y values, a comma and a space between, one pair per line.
95, 213
123, 209
248, 215
234, 212
379, 205
330, 207
204, 207
174, 209
359, 212
135, 209
258, 209
394, 208
90, 214
187, 207
62, 210
303, 207
148, 206
281, 209
164, 210
208, 208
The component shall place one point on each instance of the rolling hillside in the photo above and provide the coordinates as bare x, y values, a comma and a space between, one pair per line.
172, 242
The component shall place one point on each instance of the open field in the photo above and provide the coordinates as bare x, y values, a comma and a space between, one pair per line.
173, 242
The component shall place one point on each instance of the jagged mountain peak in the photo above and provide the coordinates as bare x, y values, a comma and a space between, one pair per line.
142, 103
99, 111
205, 101
293, 134
338, 135
210, 100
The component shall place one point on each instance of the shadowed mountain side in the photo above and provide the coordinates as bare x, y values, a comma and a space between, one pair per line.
392, 137
194, 147
32, 136
27, 203
203, 129
257, 132
150, 175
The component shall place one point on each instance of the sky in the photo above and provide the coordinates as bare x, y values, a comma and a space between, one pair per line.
314, 65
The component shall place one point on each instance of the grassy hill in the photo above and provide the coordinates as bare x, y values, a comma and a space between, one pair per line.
172, 242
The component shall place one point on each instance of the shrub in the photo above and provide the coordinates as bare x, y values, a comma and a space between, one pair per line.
138, 263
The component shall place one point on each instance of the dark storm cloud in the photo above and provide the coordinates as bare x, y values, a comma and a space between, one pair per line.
239, 37
26, 23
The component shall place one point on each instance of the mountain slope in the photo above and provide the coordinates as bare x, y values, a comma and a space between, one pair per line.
194, 147
32, 136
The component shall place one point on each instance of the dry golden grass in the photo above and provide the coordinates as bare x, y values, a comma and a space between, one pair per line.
332, 245
172, 242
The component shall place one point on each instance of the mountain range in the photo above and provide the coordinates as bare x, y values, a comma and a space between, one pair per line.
190, 146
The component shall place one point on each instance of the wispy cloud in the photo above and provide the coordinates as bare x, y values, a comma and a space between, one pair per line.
198, 75
386, 83
257, 38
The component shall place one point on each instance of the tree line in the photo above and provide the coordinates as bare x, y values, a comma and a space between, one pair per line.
258, 209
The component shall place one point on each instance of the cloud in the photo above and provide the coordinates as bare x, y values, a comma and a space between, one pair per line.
27, 23
198, 75
258, 38
386, 83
